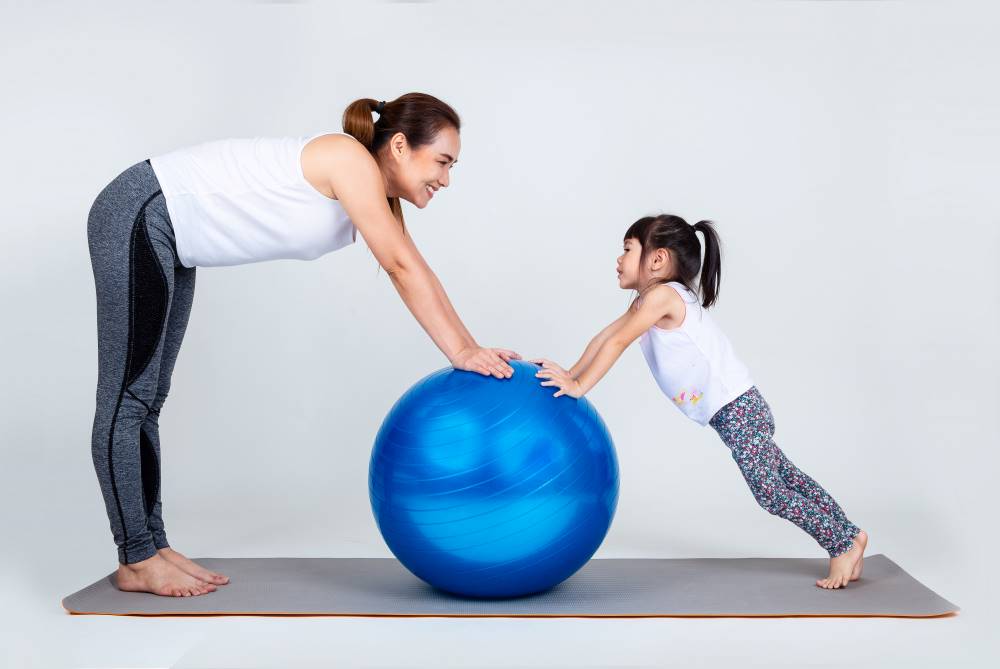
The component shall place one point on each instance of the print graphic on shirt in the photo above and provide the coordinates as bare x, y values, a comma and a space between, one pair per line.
684, 396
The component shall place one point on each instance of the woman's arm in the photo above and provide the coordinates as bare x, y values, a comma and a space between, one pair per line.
358, 184
657, 303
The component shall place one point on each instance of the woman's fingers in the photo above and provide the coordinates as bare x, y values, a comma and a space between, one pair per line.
490, 362
499, 364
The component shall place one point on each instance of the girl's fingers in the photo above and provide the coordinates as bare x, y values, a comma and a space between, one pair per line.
561, 392
548, 383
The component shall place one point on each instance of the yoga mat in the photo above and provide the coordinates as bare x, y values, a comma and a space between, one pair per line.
613, 588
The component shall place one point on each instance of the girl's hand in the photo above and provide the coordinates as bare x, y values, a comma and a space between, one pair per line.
548, 364
560, 378
486, 361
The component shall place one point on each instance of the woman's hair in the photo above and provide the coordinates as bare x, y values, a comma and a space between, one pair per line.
420, 117
675, 235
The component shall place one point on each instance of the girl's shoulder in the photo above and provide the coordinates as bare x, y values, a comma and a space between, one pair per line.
663, 298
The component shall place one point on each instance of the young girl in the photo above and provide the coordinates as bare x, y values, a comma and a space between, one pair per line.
695, 366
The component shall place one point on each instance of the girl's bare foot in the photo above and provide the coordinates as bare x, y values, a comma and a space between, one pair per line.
192, 568
842, 567
861, 539
159, 577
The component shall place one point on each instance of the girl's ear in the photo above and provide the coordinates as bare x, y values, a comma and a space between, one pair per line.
660, 259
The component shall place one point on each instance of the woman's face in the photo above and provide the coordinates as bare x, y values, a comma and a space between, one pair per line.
418, 173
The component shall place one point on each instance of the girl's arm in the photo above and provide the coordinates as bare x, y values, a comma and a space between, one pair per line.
358, 184
595, 344
657, 303
589, 352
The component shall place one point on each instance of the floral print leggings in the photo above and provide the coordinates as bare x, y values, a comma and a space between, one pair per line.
747, 428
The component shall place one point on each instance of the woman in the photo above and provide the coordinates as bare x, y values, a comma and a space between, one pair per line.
240, 201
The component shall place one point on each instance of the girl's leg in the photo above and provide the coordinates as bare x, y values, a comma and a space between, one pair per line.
746, 425
800, 482
758, 459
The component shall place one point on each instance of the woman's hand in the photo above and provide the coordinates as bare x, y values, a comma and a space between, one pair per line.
560, 378
486, 361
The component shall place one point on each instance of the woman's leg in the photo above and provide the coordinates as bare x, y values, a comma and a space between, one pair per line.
133, 262
133, 253
177, 319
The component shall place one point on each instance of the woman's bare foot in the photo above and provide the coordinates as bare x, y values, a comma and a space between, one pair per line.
842, 567
159, 577
192, 568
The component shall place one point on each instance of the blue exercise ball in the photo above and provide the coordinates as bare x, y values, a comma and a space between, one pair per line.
491, 487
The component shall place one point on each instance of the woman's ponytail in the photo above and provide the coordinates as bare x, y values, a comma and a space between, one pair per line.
711, 266
358, 121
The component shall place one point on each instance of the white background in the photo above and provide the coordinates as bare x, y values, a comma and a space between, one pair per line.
846, 150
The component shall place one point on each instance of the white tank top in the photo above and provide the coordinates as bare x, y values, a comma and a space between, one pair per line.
236, 201
694, 364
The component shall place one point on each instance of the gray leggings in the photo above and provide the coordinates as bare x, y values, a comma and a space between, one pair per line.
143, 301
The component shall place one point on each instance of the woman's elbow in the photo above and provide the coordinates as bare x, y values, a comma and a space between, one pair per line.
400, 266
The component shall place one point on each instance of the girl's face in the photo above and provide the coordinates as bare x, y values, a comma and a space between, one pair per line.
633, 274
416, 174
628, 265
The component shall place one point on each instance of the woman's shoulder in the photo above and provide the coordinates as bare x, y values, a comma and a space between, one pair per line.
334, 145
333, 157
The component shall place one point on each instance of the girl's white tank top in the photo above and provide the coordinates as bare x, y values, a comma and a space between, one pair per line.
694, 364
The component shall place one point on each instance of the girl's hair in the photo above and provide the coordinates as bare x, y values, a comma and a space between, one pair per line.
420, 117
674, 234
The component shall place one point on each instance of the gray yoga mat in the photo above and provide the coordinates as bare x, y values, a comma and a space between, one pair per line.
602, 588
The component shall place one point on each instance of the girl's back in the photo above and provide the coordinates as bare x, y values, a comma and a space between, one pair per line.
694, 364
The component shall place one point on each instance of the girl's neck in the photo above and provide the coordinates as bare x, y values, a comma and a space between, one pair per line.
656, 281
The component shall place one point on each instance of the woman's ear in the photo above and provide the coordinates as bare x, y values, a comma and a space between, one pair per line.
397, 144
